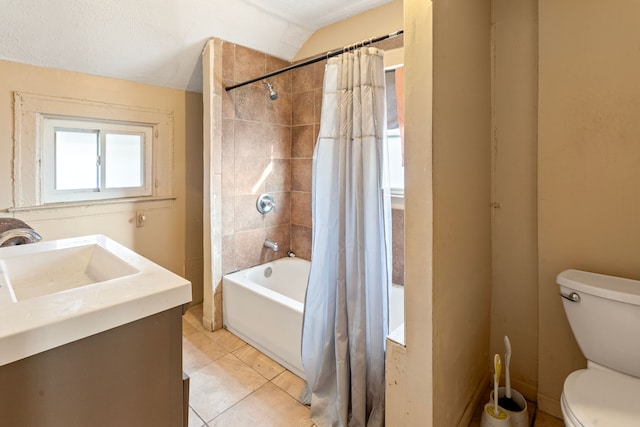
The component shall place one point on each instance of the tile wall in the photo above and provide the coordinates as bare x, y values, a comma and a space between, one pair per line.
307, 100
267, 146
256, 158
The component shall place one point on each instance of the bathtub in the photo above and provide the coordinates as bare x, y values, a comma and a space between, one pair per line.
263, 305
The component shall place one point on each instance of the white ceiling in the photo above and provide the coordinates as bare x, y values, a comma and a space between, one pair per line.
158, 41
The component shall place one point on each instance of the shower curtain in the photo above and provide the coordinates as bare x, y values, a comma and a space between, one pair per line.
346, 305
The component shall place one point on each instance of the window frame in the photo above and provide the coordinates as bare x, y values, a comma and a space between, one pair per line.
395, 191
31, 109
50, 124
393, 59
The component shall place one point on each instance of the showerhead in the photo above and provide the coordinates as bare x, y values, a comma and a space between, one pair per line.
273, 95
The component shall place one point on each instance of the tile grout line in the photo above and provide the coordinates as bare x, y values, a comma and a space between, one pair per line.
229, 352
205, 424
245, 397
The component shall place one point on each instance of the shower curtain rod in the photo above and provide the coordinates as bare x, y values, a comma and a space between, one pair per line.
318, 58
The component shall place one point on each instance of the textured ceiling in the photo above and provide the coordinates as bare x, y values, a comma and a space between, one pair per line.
158, 41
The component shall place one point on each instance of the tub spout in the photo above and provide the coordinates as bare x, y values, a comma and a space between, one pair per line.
271, 245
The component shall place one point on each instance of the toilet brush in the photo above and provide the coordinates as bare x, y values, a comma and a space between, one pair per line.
507, 402
494, 410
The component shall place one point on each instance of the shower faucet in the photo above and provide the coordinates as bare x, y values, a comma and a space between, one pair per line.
265, 203
271, 245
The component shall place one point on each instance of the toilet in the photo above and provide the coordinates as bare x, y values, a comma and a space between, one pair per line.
604, 314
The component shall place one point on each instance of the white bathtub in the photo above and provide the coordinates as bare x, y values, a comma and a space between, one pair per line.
263, 305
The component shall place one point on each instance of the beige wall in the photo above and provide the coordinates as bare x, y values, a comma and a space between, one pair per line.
418, 220
376, 22
461, 205
561, 196
588, 157
166, 237
514, 300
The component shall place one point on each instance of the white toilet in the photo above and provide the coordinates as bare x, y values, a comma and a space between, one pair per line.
604, 314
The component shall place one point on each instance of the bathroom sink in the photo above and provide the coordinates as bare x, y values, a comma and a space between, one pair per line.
42, 273
56, 292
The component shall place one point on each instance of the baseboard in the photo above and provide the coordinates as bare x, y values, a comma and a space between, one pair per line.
478, 394
528, 391
549, 405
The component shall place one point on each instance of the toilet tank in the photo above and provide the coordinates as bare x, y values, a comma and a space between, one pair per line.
604, 318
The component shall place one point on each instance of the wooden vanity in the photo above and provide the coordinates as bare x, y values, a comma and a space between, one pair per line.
90, 336
127, 376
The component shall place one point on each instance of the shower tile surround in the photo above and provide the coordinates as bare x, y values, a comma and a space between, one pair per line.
256, 158
267, 146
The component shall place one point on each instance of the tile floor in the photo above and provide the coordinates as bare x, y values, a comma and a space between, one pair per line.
234, 385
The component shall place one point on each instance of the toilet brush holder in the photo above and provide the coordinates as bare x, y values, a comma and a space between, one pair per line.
489, 419
519, 418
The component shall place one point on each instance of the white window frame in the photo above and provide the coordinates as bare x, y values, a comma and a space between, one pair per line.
394, 59
48, 171
32, 110
395, 191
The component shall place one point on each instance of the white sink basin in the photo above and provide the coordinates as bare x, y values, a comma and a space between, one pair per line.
56, 292
42, 273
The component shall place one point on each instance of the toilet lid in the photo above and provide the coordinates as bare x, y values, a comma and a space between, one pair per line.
598, 397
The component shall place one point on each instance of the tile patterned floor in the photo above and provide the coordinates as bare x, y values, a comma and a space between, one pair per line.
234, 385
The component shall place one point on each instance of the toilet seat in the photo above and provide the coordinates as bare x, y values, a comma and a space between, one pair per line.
601, 397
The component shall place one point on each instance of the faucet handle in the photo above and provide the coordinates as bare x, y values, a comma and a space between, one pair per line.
265, 203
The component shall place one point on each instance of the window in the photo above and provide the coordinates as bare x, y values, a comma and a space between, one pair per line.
394, 129
89, 160
396, 165
76, 151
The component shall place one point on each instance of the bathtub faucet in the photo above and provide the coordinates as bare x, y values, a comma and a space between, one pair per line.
271, 245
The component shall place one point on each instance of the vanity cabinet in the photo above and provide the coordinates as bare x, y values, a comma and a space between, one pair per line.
127, 376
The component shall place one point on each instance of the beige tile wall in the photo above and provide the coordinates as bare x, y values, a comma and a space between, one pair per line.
256, 158
267, 146
307, 101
